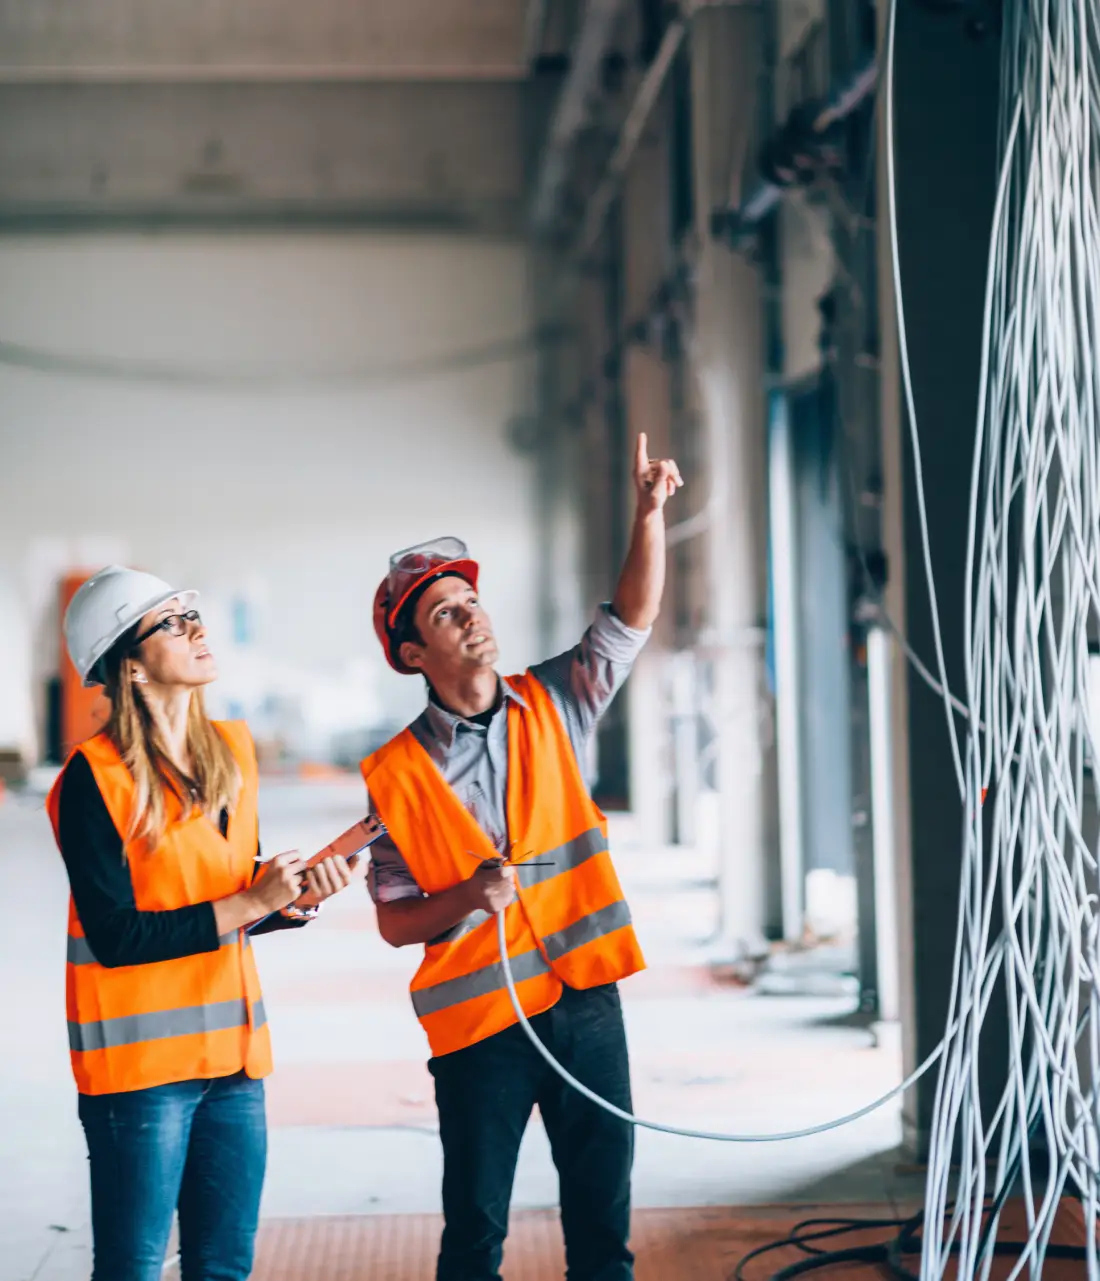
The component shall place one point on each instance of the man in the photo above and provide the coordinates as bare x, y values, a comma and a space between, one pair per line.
486, 808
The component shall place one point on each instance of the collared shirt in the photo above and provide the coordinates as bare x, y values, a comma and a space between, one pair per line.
473, 758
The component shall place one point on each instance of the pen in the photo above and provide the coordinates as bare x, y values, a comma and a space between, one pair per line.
507, 862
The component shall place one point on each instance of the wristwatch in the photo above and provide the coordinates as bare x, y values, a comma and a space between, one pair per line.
293, 913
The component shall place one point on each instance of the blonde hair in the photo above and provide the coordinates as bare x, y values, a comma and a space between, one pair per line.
215, 775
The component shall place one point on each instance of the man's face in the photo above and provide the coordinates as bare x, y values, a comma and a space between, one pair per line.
456, 631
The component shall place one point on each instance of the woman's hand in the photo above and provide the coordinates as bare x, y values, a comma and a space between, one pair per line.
327, 878
278, 884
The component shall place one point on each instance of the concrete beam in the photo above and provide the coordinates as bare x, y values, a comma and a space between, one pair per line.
441, 155
66, 41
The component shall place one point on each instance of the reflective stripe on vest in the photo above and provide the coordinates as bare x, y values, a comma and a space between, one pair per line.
432, 1000
569, 923
78, 951
553, 863
133, 1027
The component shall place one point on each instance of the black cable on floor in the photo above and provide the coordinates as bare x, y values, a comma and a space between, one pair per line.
879, 1254
907, 1242
827, 1229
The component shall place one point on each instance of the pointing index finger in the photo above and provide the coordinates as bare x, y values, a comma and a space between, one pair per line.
641, 455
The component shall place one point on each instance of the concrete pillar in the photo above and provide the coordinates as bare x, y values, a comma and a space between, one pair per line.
728, 365
647, 370
653, 779
946, 92
541, 437
596, 416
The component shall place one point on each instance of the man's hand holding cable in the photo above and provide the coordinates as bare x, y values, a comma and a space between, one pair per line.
492, 887
418, 920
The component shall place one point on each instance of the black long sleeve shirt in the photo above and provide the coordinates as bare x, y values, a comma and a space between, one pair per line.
118, 932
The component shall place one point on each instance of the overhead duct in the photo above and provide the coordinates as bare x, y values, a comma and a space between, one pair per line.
794, 154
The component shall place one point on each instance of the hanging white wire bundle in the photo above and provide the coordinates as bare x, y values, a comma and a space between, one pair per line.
1033, 598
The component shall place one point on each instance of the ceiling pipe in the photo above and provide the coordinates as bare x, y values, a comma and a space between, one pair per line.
645, 98
649, 91
791, 155
573, 110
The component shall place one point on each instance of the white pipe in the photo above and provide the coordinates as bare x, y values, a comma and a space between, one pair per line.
879, 656
573, 110
633, 125
785, 614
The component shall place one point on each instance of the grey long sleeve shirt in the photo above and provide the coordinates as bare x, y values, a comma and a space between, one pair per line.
473, 758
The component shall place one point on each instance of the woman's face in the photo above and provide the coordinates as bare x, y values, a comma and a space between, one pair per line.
167, 659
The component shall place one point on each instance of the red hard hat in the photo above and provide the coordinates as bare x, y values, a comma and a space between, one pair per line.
408, 569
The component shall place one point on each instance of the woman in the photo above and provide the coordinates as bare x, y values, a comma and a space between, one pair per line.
156, 821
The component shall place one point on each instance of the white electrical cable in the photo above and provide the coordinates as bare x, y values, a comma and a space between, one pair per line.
1033, 589
1032, 598
951, 703
716, 1135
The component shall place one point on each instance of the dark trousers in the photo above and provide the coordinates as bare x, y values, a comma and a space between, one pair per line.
485, 1095
198, 1145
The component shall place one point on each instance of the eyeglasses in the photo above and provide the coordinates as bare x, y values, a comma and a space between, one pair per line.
174, 625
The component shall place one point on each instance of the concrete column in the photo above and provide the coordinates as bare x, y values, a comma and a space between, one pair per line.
728, 363
540, 436
653, 779
648, 259
946, 91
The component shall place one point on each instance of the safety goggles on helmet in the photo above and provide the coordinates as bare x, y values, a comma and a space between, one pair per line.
414, 565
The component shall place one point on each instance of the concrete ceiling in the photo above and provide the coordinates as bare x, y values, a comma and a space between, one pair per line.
263, 111
128, 40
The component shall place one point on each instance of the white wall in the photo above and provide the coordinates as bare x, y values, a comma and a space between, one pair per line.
291, 496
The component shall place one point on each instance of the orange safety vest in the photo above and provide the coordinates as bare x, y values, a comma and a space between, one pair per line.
197, 1017
569, 924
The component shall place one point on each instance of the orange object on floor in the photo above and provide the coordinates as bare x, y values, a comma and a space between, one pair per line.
84, 712
670, 1245
322, 772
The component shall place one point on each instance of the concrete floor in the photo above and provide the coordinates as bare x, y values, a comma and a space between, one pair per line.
350, 1104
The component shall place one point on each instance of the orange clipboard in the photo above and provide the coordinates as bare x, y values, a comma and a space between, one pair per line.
359, 837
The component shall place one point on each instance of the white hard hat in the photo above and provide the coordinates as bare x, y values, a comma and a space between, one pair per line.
106, 607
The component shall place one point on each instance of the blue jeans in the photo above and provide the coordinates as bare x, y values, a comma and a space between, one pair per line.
200, 1146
